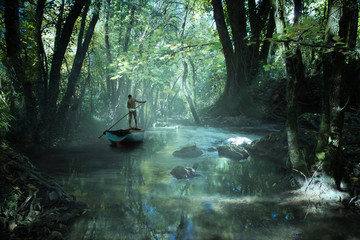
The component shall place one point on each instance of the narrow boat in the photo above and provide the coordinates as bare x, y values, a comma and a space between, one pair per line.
128, 135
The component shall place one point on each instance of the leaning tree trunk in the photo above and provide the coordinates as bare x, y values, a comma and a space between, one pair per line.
194, 77
82, 48
185, 73
187, 95
62, 39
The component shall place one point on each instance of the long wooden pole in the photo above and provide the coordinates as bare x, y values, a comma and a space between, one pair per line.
118, 121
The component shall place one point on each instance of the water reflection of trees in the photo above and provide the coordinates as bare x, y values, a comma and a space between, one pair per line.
132, 201
247, 178
256, 178
115, 204
121, 204
241, 201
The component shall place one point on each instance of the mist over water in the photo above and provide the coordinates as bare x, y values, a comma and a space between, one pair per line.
131, 194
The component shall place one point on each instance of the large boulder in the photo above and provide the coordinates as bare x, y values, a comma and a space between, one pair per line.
272, 147
180, 172
232, 151
188, 152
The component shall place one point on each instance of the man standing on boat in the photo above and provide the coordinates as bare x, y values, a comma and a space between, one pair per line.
132, 110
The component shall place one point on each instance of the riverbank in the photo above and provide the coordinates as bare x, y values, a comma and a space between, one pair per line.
317, 187
32, 205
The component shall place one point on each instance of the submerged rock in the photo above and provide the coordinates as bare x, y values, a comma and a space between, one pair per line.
180, 172
232, 151
211, 149
188, 152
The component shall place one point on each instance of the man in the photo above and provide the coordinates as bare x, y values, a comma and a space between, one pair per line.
132, 111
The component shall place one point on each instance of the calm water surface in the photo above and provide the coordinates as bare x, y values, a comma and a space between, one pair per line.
131, 194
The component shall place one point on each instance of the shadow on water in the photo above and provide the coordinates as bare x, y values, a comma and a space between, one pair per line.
131, 194
126, 147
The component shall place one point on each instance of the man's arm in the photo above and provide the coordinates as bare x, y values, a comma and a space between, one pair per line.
140, 101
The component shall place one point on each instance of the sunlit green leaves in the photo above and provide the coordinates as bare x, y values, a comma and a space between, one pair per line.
273, 66
152, 61
308, 31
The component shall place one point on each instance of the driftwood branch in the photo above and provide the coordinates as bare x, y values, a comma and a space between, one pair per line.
312, 177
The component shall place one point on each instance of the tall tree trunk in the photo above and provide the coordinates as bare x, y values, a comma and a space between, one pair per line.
129, 28
63, 35
257, 18
295, 75
227, 47
41, 74
339, 24
237, 60
124, 84
266, 47
121, 18
13, 51
323, 135
295, 70
333, 155
170, 98
186, 70
109, 83
82, 48
187, 95
194, 75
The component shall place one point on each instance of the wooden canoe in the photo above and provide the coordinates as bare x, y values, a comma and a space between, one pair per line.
129, 135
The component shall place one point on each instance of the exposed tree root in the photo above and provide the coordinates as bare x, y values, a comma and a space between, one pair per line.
32, 206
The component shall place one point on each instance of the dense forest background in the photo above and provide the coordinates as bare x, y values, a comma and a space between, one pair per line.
66, 63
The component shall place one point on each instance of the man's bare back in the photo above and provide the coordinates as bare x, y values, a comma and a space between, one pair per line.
131, 103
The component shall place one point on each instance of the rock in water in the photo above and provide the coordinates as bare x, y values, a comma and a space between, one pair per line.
272, 148
188, 152
233, 152
180, 172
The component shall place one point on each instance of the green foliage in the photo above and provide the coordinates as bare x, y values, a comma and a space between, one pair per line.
5, 115
276, 65
155, 54
9, 205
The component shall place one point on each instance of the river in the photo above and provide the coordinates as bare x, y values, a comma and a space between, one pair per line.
131, 194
